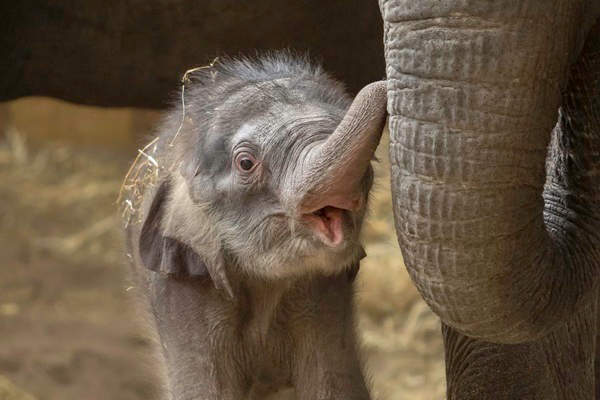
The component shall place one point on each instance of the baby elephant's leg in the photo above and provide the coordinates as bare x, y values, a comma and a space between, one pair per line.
327, 362
196, 344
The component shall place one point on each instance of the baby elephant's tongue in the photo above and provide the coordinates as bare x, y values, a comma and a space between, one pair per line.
327, 223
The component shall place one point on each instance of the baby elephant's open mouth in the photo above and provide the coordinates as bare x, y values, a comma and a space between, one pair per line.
328, 224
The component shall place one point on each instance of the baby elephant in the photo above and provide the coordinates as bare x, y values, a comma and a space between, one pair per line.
244, 230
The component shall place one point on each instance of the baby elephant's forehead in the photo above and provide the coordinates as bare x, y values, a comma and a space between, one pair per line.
284, 123
246, 132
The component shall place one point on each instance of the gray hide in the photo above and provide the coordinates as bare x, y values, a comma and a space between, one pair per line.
495, 143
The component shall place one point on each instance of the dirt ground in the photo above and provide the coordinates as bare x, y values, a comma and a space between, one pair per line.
67, 325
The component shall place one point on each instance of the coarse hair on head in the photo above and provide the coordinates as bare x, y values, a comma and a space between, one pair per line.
229, 74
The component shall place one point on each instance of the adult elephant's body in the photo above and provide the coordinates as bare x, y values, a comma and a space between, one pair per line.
505, 251
133, 52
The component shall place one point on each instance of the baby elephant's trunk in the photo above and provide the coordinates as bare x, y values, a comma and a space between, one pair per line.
335, 169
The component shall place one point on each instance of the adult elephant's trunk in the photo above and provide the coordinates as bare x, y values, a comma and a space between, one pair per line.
474, 89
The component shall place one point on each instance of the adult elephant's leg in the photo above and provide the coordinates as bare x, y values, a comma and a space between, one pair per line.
557, 367
579, 128
474, 88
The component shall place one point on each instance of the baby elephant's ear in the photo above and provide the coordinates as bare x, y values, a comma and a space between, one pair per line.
165, 254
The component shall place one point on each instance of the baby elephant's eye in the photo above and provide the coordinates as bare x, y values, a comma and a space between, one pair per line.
245, 162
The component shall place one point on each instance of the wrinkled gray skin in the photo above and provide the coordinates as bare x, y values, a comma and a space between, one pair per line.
249, 279
497, 204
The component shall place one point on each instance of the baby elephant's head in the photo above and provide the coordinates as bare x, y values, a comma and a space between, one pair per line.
273, 166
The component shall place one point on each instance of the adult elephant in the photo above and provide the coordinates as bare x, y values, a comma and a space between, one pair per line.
505, 251
495, 148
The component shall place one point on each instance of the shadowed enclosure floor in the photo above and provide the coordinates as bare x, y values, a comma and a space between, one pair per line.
67, 327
